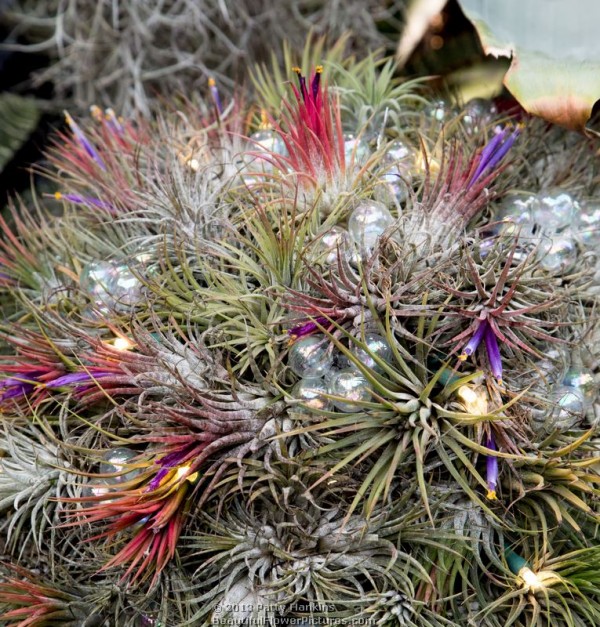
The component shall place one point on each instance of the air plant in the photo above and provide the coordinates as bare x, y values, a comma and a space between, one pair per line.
214, 395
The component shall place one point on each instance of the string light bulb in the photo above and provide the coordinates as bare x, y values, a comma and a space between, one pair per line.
474, 399
122, 344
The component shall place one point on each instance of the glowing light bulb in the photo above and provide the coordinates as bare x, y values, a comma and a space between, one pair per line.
474, 399
122, 344
530, 579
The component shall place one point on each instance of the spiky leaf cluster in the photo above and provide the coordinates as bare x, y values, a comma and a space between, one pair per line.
237, 500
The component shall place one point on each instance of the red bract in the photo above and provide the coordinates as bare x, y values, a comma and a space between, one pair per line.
151, 510
312, 131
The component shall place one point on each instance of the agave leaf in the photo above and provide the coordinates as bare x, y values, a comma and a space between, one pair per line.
555, 50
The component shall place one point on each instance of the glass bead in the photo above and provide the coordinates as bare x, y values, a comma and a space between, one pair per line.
352, 387
95, 280
269, 141
438, 111
310, 356
367, 222
377, 346
116, 461
553, 366
327, 245
516, 211
587, 224
569, 408
356, 149
555, 211
124, 287
557, 256
478, 113
582, 379
94, 487
311, 391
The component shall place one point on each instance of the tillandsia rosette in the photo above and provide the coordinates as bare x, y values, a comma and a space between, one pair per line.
330, 358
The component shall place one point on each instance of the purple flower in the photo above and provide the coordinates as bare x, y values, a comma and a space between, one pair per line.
214, 92
493, 353
491, 469
486, 333
73, 378
15, 388
84, 142
493, 152
168, 462
474, 342
85, 200
306, 328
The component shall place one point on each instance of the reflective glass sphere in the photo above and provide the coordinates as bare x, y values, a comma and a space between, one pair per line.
582, 379
569, 408
516, 212
377, 346
310, 356
116, 461
311, 391
587, 224
124, 287
95, 280
356, 149
478, 113
352, 387
367, 222
557, 256
555, 211
327, 245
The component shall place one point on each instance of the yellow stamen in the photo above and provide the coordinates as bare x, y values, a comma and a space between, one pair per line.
212, 82
264, 120
491, 495
96, 113
463, 356
319, 69
297, 70
57, 195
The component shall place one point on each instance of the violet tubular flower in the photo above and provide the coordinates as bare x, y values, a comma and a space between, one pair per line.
85, 200
491, 469
306, 328
493, 152
474, 342
83, 141
214, 93
75, 378
493, 353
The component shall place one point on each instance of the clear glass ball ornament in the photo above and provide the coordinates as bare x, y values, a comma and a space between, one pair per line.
377, 347
438, 111
553, 366
356, 149
95, 487
124, 287
352, 387
398, 163
268, 140
587, 224
568, 410
558, 255
582, 379
478, 113
326, 247
95, 280
117, 461
555, 211
310, 356
516, 210
367, 222
311, 391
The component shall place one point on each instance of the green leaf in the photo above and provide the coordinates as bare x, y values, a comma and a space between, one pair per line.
555, 50
18, 118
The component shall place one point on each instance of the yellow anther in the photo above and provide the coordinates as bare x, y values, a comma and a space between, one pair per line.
96, 112
296, 69
491, 495
463, 356
319, 69
212, 82
57, 195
